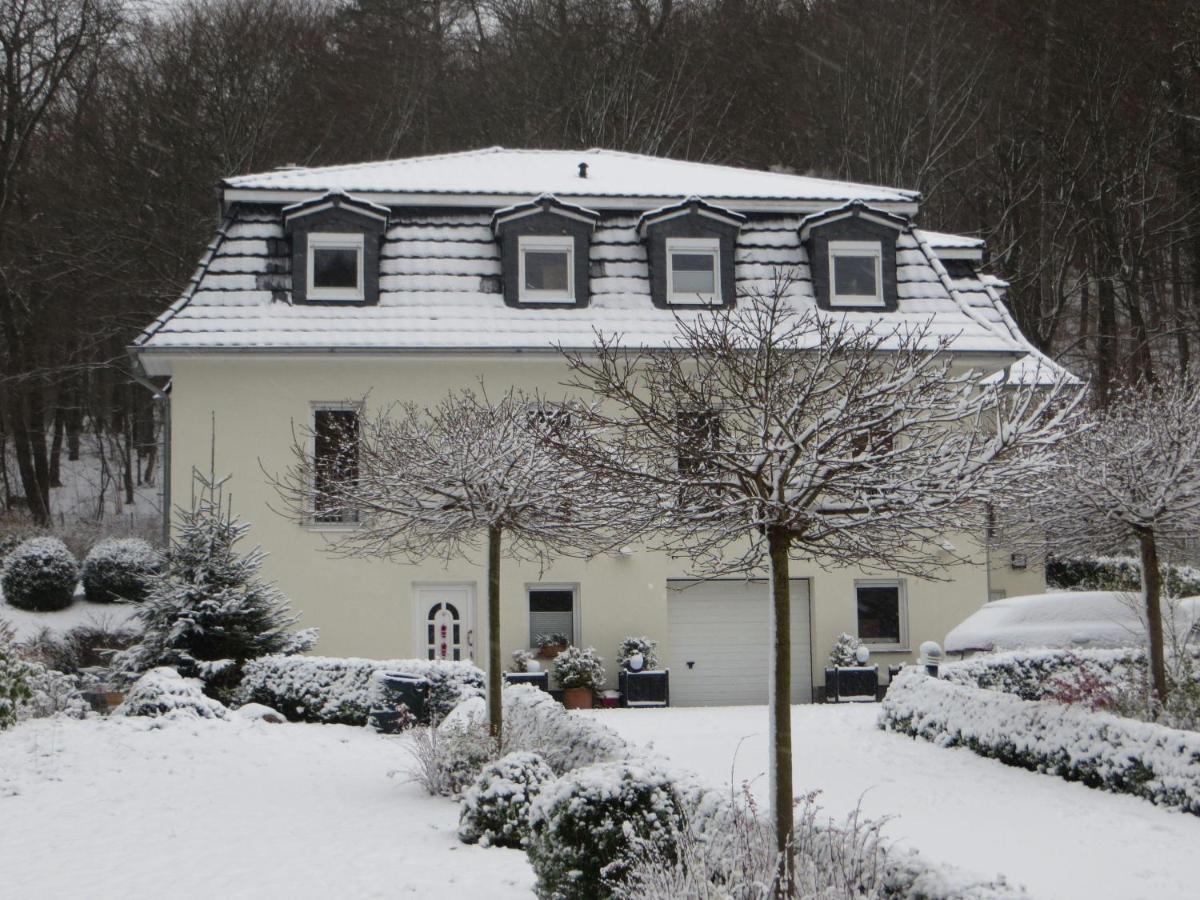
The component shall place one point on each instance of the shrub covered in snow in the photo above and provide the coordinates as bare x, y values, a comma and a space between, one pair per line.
51, 693
119, 569
521, 660
495, 808
1116, 573
40, 574
14, 684
579, 667
842, 654
586, 826
646, 647
163, 691
1101, 750
1030, 674
342, 691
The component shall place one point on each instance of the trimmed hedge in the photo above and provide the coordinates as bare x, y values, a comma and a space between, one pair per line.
495, 808
1117, 573
1027, 673
336, 691
40, 575
119, 569
1159, 764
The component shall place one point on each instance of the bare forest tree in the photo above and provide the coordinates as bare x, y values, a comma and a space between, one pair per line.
769, 435
1131, 480
439, 482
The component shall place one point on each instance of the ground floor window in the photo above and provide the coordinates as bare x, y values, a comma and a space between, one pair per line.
882, 613
551, 611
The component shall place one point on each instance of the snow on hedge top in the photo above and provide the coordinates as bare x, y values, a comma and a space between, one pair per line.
1062, 619
500, 172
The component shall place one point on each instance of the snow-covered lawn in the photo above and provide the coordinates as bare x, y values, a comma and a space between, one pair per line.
1060, 840
27, 624
135, 808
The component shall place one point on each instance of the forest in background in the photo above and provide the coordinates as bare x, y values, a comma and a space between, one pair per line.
1064, 132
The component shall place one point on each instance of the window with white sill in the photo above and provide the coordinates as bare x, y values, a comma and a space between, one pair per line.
855, 273
693, 270
882, 610
547, 269
335, 267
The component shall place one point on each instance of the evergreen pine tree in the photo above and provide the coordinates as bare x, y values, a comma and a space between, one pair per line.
843, 651
208, 611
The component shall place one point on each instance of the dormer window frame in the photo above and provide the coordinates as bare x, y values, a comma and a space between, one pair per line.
546, 243
693, 246
335, 240
856, 249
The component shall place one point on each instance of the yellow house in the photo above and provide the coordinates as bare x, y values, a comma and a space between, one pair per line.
402, 280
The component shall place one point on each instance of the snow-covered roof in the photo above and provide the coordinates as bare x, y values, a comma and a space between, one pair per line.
439, 277
1059, 620
501, 173
1033, 369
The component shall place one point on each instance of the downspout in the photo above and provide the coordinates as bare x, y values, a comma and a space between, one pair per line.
162, 399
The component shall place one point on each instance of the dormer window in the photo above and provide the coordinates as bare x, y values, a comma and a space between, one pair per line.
693, 270
335, 266
857, 273
547, 269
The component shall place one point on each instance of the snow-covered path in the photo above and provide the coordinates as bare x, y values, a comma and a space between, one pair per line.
135, 808
1060, 840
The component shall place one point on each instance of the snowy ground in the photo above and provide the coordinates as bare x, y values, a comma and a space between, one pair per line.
1060, 840
121, 808
27, 624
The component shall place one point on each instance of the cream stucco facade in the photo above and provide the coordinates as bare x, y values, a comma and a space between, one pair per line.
370, 608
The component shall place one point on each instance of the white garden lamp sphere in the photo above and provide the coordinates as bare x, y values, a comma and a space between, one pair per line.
533, 666
636, 662
862, 654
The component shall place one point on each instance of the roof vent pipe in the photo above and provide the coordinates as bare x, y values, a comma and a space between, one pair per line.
583, 170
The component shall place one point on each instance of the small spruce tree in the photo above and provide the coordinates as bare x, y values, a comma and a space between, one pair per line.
208, 612
843, 651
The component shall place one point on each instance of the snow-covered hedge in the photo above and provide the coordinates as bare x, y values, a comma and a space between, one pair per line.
342, 691
51, 693
1117, 573
1028, 673
495, 808
163, 691
586, 825
1101, 750
119, 569
40, 575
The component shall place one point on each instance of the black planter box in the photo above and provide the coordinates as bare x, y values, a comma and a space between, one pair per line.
854, 684
396, 690
648, 689
540, 680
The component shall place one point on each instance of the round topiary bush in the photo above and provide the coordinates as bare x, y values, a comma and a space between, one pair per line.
586, 826
495, 808
119, 569
40, 575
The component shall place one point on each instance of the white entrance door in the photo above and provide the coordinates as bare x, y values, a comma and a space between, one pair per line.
719, 642
445, 621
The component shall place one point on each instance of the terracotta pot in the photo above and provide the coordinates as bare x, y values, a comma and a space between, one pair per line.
550, 651
577, 698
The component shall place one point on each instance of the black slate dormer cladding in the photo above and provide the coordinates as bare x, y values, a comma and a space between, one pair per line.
692, 218
545, 217
335, 214
859, 223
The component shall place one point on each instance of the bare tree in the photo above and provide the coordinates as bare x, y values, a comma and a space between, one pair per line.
1133, 478
437, 482
769, 434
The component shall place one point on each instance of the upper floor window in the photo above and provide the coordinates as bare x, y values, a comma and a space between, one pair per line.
335, 266
335, 462
693, 270
857, 273
547, 268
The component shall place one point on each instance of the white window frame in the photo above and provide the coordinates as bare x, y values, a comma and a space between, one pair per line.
871, 249
544, 244
900, 646
694, 246
336, 240
573, 587
315, 523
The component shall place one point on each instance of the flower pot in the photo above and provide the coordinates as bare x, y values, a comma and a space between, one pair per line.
577, 698
550, 651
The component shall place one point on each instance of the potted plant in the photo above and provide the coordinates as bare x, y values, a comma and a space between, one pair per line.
640, 681
527, 670
550, 645
579, 672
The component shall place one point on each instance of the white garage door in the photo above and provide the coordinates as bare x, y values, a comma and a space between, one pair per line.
719, 642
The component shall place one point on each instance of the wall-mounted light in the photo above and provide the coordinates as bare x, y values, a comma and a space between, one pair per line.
1019, 561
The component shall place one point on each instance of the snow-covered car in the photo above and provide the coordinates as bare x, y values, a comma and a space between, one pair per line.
1063, 619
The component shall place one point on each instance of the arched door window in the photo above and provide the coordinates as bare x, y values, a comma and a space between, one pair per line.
444, 632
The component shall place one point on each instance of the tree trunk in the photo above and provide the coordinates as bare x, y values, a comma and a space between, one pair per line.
1152, 591
29, 441
1106, 340
780, 764
56, 444
495, 676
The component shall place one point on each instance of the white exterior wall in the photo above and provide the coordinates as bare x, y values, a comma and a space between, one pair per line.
366, 607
